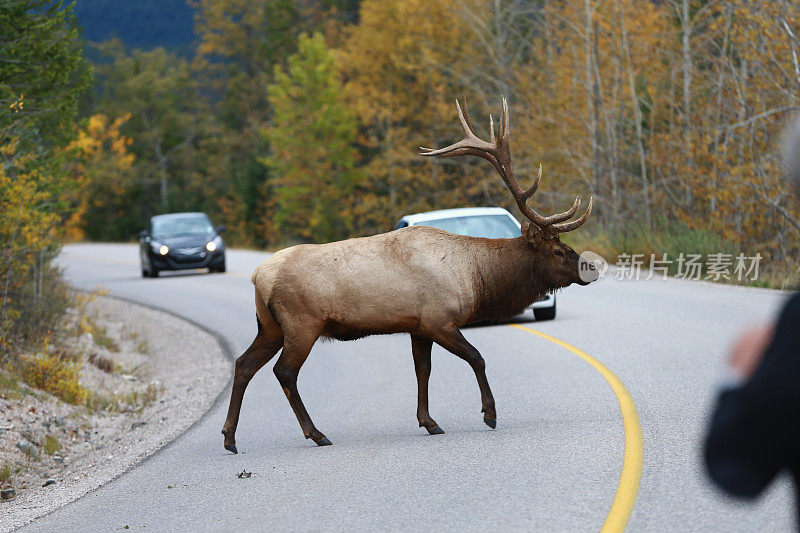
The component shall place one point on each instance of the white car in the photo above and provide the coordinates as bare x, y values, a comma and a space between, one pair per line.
490, 222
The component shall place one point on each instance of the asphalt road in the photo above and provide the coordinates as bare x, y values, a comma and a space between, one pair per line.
552, 464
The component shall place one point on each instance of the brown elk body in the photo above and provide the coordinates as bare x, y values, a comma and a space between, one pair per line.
419, 280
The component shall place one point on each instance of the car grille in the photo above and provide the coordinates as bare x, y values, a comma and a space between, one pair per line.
189, 251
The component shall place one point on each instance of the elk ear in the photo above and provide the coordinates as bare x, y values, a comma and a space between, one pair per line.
532, 233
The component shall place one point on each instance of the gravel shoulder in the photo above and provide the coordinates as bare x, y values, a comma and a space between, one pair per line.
159, 374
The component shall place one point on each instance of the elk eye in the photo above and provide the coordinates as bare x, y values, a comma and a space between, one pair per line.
559, 253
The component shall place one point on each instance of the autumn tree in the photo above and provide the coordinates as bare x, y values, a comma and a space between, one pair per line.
667, 112
403, 63
42, 76
100, 167
311, 139
753, 87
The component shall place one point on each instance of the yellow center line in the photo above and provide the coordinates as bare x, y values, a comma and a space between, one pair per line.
628, 486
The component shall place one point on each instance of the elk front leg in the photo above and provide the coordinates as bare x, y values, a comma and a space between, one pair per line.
295, 352
421, 348
454, 342
263, 348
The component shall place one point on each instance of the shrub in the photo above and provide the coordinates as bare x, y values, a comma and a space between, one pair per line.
51, 445
32, 311
8, 383
54, 375
9, 387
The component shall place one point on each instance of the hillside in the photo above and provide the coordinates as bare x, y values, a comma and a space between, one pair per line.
140, 24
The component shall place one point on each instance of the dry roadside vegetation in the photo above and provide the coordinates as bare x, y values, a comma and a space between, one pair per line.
105, 389
83, 385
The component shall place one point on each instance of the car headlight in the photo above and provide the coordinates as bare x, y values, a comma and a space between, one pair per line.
214, 244
163, 250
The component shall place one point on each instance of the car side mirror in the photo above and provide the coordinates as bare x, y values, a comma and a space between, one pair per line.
143, 234
222, 229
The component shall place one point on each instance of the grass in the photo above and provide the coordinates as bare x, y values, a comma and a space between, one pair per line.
143, 347
51, 445
117, 403
5, 475
101, 338
87, 323
9, 387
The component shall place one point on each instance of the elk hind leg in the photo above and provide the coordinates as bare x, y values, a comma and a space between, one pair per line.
421, 349
268, 341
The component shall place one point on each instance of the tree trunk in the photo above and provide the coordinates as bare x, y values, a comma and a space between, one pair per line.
162, 177
592, 97
686, 30
637, 112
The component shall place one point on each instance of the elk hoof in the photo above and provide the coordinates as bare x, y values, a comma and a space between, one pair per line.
435, 430
231, 447
324, 441
491, 422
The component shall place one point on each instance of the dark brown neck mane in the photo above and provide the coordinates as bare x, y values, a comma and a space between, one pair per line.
509, 279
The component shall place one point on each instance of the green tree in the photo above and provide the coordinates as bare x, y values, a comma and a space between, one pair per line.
155, 90
42, 73
42, 76
240, 43
312, 135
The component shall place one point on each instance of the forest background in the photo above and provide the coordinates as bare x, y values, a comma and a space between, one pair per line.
300, 120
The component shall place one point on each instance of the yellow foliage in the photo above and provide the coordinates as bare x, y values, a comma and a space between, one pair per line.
28, 230
400, 61
100, 153
52, 374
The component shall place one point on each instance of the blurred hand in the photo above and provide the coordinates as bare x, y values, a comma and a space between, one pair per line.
749, 349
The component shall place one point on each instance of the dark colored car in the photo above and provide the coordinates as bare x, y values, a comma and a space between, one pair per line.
179, 241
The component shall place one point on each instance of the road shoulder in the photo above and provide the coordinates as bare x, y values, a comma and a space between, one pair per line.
183, 367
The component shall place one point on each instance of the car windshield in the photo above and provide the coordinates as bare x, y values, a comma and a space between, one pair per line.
489, 226
184, 225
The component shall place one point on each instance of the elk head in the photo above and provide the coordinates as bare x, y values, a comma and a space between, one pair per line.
558, 261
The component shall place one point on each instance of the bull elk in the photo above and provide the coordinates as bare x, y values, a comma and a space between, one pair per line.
418, 280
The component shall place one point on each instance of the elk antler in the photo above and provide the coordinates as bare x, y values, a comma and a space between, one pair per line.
498, 153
